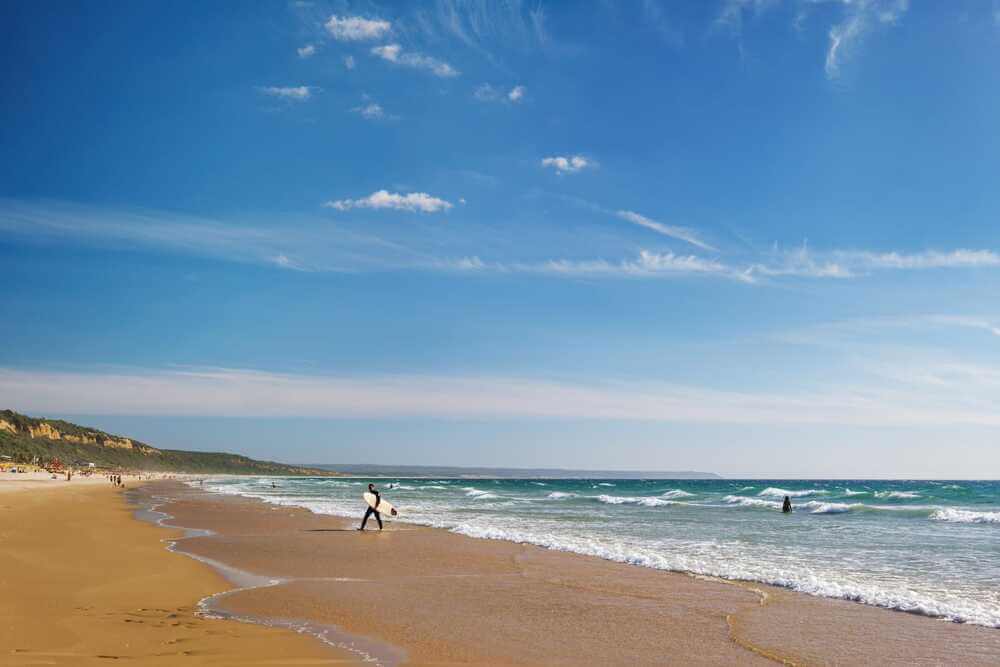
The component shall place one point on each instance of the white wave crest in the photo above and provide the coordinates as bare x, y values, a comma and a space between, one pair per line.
965, 516
560, 495
780, 493
633, 500
743, 501
817, 507
897, 494
848, 492
677, 493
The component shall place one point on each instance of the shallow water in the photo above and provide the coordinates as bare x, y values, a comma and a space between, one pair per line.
929, 547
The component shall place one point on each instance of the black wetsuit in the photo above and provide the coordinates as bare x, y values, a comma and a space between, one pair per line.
371, 510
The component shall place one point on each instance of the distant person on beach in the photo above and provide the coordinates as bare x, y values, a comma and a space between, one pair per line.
372, 510
786, 507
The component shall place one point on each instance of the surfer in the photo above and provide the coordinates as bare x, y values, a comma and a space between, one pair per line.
373, 509
786, 506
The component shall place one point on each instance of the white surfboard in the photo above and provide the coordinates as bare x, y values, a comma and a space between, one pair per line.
384, 507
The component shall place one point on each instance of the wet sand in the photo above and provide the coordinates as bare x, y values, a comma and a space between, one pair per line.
83, 583
434, 597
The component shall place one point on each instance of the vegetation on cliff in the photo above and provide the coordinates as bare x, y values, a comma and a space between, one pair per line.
28, 439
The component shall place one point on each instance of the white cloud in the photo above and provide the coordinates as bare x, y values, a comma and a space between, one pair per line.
246, 393
647, 264
356, 28
287, 243
486, 93
349, 62
667, 230
802, 263
382, 199
490, 93
852, 263
307, 51
372, 111
858, 19
568, 165
928, 259
862, 16
394, 53
294, 93
732, 12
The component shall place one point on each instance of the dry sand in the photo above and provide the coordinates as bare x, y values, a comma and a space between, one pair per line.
444, 598
82, 582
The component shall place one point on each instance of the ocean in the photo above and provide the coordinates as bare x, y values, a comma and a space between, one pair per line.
926, 547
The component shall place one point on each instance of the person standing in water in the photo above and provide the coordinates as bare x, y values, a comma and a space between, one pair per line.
786, 506
373, 510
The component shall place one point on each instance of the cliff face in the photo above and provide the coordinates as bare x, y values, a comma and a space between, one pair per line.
44, 430
41, 429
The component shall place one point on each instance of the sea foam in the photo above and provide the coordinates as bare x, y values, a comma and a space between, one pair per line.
780, 493
965, 516
631, 500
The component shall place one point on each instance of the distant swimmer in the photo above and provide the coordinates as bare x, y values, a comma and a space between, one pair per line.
786, 507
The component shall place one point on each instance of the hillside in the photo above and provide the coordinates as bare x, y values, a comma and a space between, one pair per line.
26, 439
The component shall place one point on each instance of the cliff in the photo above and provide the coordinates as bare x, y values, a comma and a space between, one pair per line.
26, 439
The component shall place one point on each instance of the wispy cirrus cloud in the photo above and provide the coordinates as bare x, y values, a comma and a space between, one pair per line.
874, 329
373, 111
316, 245
861, 17
486, 26
395, 54
858, 19
804, 262
383, 199
303, 245
307, 51
647, 264
568, 164
799, 262
291, 93
489, 93
225, 392
672, 231
927, 259
356, 28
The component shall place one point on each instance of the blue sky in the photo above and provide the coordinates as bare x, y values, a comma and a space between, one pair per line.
757, 237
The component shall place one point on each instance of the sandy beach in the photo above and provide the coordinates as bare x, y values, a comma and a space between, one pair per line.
83, 582
428, 596
86, 576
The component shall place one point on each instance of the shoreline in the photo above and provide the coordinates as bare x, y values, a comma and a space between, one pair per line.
148, 508
754, 618
810, 583
83, 582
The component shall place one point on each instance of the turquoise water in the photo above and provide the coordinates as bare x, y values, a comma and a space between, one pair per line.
928, 547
